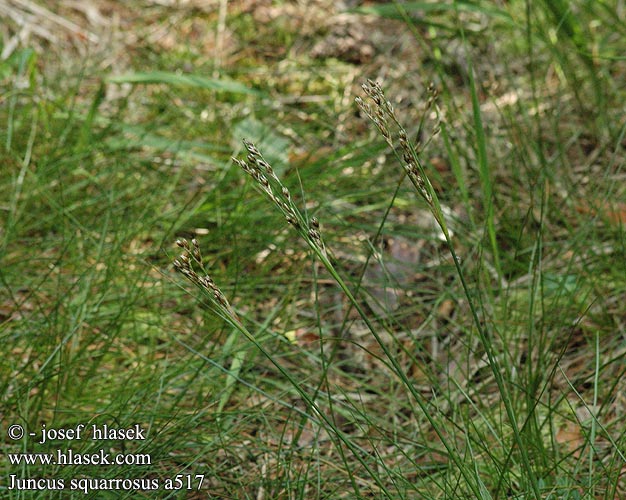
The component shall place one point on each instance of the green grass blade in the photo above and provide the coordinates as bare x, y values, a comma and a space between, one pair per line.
484, 170
185, 80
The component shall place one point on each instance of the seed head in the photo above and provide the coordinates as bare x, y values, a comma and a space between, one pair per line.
251, 148
197, 255
293, 221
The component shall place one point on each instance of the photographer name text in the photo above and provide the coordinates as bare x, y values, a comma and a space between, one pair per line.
94, 432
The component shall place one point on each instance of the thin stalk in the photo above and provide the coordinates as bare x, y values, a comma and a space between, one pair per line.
592, 436
484, 336
381, 113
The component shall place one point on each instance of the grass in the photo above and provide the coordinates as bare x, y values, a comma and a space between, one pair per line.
420, 299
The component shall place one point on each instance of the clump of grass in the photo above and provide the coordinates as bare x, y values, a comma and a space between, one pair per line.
498, 445
381, 112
